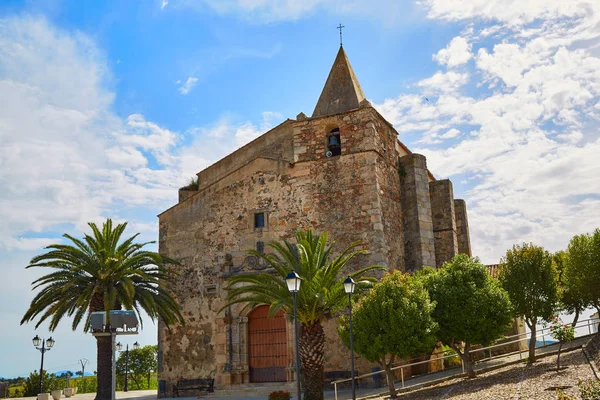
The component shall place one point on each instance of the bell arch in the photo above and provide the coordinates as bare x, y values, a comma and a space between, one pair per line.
334, 143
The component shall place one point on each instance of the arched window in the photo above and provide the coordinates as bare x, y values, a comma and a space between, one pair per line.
334, 144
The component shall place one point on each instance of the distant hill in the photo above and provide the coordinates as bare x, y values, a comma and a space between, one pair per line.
64, 371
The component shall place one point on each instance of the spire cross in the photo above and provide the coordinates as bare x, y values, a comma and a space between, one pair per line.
340, 27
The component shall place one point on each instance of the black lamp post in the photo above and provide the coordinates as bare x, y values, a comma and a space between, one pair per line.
349, 286
46, 346
119, 346
293, 284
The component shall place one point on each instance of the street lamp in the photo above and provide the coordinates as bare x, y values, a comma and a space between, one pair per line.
46, 346
293, 283
119, 347
349, 286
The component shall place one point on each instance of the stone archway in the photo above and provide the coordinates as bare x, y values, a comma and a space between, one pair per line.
267, 346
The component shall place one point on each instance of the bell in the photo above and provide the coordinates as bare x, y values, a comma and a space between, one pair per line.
334, 141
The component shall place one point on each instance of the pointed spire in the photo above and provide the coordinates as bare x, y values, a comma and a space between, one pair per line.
341, 92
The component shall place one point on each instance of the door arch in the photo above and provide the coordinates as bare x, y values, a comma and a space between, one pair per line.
267, 346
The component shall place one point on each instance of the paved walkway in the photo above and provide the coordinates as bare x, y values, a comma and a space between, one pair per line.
345, 394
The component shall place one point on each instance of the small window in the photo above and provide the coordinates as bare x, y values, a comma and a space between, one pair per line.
259, 220
334, 144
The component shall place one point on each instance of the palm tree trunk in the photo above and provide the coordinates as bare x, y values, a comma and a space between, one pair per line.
104, 345
104, 350
312, 345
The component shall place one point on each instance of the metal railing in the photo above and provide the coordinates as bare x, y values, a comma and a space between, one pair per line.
589, 323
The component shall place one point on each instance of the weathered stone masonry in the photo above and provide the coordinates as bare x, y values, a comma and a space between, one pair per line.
376, 192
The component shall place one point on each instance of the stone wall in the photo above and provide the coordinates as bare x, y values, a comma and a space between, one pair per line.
462, 227
275, 144
419, 245
375, 193
444, 224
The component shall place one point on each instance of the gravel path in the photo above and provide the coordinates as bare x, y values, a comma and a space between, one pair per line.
514, 382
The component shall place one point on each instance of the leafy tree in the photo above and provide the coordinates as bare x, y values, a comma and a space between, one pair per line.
321, 294
570, 282
471, 307
583, 268
101, 273
529, 275
392, 320
142, 363
31, 383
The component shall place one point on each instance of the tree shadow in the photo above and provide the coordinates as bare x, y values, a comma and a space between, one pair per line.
512, 376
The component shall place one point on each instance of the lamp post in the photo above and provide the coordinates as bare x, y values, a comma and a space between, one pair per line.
349, 286
46, 346
119, 346
293, 283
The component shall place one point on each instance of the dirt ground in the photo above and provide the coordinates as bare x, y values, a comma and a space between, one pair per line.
518, 381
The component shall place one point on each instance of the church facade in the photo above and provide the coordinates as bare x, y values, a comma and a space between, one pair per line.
343, 171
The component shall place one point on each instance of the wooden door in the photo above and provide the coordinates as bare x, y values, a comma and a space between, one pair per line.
267, 346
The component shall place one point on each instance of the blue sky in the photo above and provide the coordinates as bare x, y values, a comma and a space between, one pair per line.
106, 108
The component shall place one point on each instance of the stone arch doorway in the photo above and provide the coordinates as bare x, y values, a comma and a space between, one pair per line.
267, 346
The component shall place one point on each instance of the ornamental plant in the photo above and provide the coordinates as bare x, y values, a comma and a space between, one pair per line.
280, 395
392, 321
589, 389
528, 273
471, 306
563, 333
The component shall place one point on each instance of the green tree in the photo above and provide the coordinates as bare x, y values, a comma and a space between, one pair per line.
31, 383
471, 307
392, 320
101, 273
142, 363
321, 294
570, 280
529, 275
583, 268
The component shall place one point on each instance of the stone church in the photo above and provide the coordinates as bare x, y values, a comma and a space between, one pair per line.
341, 170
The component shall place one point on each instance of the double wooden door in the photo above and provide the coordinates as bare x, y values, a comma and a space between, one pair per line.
267, 346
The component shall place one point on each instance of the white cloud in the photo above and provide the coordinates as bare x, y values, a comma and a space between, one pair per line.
65, 158
188, 85
452, 133
163, 4
442, 82
458, 52
534, 136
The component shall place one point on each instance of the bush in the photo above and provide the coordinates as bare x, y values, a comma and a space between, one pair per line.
30, 386
451, 361
589, 389
280, 395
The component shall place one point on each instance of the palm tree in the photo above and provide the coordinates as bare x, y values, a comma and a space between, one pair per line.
101, 273
321, 294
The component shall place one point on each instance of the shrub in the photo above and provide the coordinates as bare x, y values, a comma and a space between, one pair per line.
280, 395
560, 395
451, 361
30, 386
563, 333
589, 389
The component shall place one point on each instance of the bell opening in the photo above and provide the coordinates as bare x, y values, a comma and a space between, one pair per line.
334, 144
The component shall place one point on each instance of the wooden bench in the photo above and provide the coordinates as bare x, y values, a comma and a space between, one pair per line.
207, 384
331, 376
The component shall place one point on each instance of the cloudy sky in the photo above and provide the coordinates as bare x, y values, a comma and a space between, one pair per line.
106, 108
